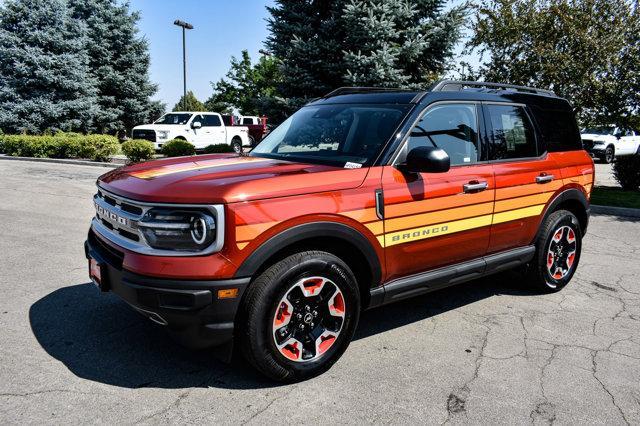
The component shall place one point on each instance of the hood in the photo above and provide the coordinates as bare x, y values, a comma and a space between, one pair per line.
593, 136
225, 178
168, 127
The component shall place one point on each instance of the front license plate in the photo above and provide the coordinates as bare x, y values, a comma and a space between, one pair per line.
95, 272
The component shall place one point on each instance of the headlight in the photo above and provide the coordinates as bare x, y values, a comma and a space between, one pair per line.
163, 134
182, 230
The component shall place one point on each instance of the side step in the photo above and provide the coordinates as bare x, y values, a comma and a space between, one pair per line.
446, 276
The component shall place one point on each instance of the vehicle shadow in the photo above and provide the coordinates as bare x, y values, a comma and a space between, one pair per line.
99, 338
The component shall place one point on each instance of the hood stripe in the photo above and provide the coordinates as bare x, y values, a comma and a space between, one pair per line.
177, 168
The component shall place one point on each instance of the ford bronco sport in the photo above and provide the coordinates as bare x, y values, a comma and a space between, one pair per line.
361, 198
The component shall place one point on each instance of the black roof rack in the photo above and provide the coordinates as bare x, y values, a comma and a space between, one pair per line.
457, 85
355, 90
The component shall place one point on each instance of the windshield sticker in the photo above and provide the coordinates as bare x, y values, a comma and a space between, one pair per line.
350, 165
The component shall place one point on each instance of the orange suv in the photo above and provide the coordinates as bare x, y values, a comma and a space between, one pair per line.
361, 198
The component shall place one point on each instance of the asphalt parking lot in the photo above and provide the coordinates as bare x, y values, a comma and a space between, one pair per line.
488, 351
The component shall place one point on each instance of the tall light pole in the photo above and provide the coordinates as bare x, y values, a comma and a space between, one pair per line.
185, 26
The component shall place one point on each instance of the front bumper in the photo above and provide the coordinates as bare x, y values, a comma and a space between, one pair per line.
191, 310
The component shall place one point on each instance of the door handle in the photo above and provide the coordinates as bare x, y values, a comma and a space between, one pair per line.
544, 178
474, 186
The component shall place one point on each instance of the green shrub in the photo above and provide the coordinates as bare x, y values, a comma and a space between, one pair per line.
178, 148
217, 148
626, 170
138, 150
61, 145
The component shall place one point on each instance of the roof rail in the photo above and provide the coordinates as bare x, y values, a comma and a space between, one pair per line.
457, 85
354, 90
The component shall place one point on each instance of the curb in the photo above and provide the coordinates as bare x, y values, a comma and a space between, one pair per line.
615, 211
62, 161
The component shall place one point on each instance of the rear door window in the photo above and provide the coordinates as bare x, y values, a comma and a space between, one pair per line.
513, 135
211, 121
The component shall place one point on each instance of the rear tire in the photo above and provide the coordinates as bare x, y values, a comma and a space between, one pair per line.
558, 249
275, 335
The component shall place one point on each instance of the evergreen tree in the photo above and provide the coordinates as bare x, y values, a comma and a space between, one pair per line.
119, 62
45, 82
324, 44
192, 103
246, 85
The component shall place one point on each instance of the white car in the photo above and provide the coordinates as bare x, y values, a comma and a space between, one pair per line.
608, 142
200, 128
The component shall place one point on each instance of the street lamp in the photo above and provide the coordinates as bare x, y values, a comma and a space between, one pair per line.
185, 26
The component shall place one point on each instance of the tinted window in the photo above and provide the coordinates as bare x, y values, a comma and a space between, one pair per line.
558, 126
211, 121
513, 135
247, 121
452, 127
333, 134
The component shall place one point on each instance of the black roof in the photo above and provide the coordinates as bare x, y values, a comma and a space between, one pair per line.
442, 90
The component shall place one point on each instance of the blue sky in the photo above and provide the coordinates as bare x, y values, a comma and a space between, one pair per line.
222, 28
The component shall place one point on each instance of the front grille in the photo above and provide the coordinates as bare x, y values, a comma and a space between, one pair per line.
117, 219
113, 256
149, 135
587, 144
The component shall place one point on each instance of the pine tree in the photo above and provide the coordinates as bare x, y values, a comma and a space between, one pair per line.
192, 103
119, 62
44, 75
324, 44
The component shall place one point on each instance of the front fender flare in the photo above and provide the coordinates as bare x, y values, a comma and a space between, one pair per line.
307, 231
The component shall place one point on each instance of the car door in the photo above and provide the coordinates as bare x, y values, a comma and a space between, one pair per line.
215, 132
526, 177
437, 219
627, 142
199, 137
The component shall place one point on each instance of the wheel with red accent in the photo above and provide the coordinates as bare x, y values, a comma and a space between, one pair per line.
557, 252
299, 316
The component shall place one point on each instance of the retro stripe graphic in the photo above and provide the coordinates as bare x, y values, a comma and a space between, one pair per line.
417, 220
196, 165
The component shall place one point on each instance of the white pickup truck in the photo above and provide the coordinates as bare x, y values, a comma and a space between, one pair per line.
199, 128
608, 142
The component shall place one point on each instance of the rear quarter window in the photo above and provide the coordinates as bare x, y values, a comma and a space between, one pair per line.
558, 127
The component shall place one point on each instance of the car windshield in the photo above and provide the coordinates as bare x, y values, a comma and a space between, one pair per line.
174, 118
342, 135
600, 130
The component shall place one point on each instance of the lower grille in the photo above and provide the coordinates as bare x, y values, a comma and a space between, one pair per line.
149, 135
587, 144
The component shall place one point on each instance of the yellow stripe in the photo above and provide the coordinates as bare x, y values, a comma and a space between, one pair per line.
424, 232
516, 203
177, 168
376, 228
517, 214
439, 216
242, 245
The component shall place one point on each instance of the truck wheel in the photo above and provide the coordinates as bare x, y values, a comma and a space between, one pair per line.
609, 154
237, 146
298, 316
252, 141
558, 250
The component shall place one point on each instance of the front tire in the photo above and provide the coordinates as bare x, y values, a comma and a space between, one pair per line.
236, 144
609, 154
558, 249
299, 316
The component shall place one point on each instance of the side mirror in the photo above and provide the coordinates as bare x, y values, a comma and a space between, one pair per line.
427, 159
196, 125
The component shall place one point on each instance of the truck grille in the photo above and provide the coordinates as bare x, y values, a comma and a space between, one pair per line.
118, 219
149, 135
587, 144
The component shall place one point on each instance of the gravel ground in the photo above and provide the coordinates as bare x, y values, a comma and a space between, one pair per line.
488, 351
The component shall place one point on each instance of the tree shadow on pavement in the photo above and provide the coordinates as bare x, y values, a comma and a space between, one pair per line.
99, 338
